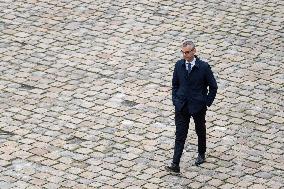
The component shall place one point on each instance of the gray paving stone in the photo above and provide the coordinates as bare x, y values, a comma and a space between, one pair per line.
85, 93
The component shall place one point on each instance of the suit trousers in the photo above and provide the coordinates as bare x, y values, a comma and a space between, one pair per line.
182, 120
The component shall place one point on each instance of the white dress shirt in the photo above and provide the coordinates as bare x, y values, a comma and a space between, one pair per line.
192, 63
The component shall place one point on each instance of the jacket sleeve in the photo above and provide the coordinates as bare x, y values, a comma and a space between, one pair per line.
211, 82
175, 84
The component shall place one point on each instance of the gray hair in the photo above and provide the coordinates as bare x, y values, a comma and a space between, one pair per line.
188, 43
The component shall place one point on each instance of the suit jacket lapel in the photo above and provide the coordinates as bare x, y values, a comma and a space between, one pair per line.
185, 73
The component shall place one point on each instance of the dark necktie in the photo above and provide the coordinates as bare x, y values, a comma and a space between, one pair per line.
188, 68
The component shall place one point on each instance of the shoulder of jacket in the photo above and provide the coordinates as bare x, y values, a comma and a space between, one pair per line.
203, 63
179, 62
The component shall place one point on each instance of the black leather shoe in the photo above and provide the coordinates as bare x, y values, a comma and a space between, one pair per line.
173, 168
200, 159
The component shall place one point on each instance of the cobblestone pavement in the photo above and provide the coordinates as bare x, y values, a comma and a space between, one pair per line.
86, 93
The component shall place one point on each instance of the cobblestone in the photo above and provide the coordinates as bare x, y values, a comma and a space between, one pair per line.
85, 93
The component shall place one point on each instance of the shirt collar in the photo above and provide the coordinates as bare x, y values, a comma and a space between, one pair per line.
195, 60
192, 62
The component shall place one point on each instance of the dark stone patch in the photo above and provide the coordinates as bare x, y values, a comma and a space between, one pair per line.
23, 43
75, 140
28, 87
5, 133
129, 103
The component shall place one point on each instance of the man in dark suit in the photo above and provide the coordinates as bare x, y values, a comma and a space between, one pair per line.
192, 78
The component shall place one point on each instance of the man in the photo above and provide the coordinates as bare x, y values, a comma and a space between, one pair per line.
191, 79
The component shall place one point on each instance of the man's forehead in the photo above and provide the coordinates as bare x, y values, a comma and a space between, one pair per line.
187, 47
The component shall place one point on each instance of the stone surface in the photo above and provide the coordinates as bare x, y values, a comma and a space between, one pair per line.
85, 93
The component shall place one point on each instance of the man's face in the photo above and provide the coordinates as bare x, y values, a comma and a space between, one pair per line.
188, 53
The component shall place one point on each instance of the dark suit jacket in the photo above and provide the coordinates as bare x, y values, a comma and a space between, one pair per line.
192, 89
